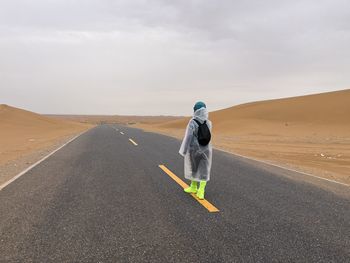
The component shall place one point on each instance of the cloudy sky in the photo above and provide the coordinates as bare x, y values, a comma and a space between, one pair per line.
155, 57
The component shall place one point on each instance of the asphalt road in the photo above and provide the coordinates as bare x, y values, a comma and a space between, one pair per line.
103, 199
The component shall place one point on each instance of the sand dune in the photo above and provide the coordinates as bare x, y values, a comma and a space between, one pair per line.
309, 133
23, 132
298, 115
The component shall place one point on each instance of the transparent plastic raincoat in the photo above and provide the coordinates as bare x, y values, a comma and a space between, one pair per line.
198, 158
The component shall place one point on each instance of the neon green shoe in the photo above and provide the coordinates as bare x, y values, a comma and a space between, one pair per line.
201, 190
192, 189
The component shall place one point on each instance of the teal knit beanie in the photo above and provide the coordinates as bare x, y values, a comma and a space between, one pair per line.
199, 105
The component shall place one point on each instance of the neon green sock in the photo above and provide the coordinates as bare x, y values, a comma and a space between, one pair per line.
201, 190
192, 188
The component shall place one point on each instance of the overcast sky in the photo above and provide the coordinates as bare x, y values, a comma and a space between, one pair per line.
159, 57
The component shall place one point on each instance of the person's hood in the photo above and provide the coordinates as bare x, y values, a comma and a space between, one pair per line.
201, 115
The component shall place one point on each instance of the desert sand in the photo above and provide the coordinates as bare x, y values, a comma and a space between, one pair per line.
25, 136
308, 133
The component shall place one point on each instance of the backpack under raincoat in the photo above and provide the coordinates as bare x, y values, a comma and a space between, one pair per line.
198, 158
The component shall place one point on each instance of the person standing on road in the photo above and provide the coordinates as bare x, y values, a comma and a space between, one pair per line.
197, 150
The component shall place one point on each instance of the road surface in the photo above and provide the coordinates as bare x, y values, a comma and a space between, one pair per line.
103, 198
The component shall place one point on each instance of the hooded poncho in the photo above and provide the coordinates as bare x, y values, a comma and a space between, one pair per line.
197, 158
